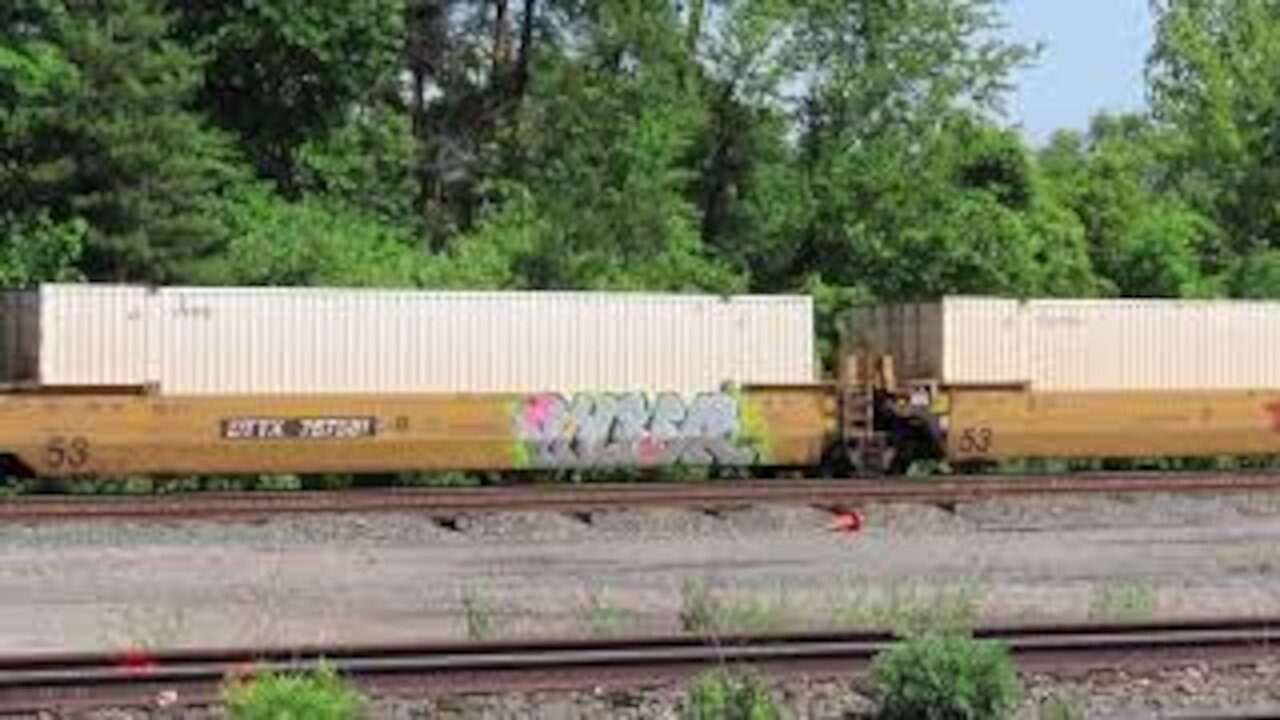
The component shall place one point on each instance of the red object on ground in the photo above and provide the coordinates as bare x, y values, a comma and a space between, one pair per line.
849, 521
137, 661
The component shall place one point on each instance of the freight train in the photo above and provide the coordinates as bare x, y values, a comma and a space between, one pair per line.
105, 380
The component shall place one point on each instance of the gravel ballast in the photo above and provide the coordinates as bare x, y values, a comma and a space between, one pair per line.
392, 577
1201, 690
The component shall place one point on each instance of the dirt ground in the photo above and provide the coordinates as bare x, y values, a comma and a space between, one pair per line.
372, 578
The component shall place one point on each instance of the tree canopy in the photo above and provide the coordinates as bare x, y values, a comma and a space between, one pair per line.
848, 149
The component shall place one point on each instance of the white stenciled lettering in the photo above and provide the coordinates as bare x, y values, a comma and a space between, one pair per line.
298, 428
321, 428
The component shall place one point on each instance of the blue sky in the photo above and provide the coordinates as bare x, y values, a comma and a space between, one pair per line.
1092, 60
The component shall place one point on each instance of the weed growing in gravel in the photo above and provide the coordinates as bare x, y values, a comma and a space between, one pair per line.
723, 695
478, 614
605, 619
702, 613
150, 628
911, 609
1055, 708
274, 696
698, 609
945, 677
1122, 602
1253, 561
757, 616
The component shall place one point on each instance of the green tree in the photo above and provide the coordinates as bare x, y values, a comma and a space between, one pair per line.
368, 162
750, 193
310, 77
34, 75
312, 241
35, 249
1143, 238
911, 188
105, 150
1214, 82
601, 146
1256, 276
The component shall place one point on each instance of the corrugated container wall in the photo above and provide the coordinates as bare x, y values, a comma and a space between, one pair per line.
1083, 345
1154, 344
76, 335
193, 340
984, 342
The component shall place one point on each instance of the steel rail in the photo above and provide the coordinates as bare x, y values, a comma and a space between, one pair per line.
36, 682
588, 498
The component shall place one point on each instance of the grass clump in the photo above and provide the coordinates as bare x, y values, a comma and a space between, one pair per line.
479, 616
699, 610
1122, 602
1059, 709
945, 677
702, 613
723, 695
603, 618
911, 610
293, 696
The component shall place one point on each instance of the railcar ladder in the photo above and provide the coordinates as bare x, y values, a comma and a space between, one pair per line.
865, 447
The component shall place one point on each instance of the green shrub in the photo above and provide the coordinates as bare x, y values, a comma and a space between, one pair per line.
945, 677
289, 696
723, 695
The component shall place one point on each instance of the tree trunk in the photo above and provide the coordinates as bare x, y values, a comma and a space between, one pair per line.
526, 48
501, 38
696, 12
427, 53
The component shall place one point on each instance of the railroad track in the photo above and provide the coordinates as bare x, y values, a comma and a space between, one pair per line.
193, 677
832, 494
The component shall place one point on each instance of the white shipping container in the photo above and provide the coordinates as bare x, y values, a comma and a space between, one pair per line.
1079, 345
76, 335
207, 340
1154, 344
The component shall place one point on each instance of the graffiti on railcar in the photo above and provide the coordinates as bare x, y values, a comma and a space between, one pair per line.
632, 429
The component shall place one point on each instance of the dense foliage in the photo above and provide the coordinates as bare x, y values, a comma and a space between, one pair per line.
946, 677
849, 149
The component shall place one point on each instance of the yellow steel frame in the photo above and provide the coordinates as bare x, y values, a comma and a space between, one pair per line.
1014, 424
118, 434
